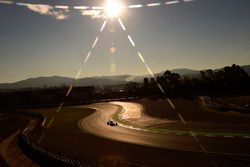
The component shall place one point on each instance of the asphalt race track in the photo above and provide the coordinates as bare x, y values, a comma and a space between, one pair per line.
237, 148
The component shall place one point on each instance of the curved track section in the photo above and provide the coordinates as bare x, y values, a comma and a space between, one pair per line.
96, 124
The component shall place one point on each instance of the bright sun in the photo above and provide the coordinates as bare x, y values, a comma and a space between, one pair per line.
113, 8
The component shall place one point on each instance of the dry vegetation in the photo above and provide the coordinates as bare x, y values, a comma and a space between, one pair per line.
242, 101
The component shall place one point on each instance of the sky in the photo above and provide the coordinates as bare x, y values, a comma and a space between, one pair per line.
51, 40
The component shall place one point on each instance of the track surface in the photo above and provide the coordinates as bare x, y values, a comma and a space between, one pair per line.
96, 124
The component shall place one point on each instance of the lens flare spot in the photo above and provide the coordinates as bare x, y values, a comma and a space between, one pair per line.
112, 50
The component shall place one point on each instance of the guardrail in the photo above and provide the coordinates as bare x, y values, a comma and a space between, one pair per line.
59, 160
25, 138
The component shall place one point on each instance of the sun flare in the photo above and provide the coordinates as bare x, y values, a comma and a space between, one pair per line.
113, 8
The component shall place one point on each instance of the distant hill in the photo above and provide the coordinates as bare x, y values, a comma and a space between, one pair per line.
37, 82
102, 81
55, 81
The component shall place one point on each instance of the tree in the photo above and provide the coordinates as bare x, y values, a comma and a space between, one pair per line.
145, 83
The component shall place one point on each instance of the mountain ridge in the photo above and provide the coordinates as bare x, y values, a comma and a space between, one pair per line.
55, 81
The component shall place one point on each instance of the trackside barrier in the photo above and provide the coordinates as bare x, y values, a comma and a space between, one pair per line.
25, 140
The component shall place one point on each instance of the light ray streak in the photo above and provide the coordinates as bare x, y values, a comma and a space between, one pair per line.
153, 4
60, 107
172, 2
158, 85
87, 57
131, 41
78, 74
147, 67
181, 118
95, 42
162, 90
142, 59
80, 70
6, 2
61, 7
69, 90
171, 103
97, 7
144, 62
103, 25
203, 148
81, 7
135, 6
122, 25
150, 71
153, 76
21, 4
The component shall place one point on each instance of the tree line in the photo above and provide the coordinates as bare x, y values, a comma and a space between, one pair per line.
231, 80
